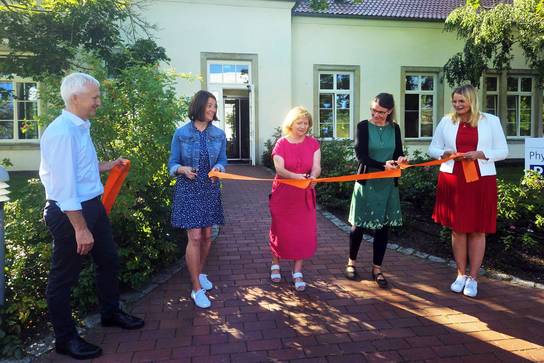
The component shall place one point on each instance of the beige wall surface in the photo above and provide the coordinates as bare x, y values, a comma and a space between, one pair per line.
261, 27
23, 157
382, 49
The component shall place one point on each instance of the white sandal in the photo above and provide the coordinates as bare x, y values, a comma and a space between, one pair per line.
299, 285
275, 277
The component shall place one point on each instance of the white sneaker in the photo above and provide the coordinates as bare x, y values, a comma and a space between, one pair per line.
471, 287
459, 283
200, 299
204, 282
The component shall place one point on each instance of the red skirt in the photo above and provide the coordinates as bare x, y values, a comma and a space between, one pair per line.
466, 207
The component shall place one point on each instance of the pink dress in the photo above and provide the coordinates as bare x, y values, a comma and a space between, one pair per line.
293, 232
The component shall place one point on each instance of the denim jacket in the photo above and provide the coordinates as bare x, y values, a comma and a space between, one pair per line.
185, 148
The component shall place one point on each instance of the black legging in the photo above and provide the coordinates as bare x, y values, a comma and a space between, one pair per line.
379, 245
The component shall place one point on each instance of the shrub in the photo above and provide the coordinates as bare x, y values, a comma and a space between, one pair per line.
337, 158
137, 120
520, 216
266, 157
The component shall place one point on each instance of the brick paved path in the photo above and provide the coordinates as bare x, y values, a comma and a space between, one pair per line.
335, 320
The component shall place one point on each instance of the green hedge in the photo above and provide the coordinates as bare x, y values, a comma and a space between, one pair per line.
137, 119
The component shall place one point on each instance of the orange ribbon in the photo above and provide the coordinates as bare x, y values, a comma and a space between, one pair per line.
469, 169
113, 185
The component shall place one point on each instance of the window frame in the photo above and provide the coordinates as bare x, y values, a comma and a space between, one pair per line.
438, 93
537, 95
16, 104
354, 72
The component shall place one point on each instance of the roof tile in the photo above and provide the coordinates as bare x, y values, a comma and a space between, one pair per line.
398, 9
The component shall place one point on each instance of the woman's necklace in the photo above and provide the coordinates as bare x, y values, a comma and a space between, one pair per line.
381, 130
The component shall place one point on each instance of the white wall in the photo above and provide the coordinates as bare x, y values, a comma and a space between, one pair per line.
262, 27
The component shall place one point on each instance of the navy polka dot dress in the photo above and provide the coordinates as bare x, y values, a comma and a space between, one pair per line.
197, 203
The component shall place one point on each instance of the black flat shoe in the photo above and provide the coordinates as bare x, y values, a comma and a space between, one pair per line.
78, 348
380, 279
350, 272
123, 320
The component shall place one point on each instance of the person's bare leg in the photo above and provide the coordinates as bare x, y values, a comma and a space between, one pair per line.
192, 256
459, 247
476, 251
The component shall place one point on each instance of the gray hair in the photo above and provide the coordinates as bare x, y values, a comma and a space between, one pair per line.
75, 83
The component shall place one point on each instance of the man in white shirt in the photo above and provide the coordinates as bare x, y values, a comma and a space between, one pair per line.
75, 217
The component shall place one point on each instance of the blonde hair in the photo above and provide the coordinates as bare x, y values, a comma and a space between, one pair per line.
295, 114
470, 95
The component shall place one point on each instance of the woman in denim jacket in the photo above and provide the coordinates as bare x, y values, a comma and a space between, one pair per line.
198, 147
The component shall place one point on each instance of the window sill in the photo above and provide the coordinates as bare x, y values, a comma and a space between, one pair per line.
19, 145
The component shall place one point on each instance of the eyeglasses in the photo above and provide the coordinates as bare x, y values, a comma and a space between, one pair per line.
378, 112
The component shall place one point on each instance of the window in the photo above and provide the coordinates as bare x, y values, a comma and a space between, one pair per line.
335, 100
420, 104
228, 72
492, 95
18, 110
519, 99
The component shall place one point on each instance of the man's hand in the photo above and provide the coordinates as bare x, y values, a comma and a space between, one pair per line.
85, 241
84, 237
108, 165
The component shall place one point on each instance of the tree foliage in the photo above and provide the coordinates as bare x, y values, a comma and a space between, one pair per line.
47, 37
492, 35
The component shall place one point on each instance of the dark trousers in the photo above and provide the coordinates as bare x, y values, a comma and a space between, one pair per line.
381, 237
66, 265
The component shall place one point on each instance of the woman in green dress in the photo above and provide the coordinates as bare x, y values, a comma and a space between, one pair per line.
375, 203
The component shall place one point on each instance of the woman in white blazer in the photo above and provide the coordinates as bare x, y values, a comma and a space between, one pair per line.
468, 209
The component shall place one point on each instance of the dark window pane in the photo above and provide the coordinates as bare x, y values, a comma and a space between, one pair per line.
411, 102
325, 116
512, 84
243, 73
342, 81
427, 83
325, 100
411, 120
325, 130
426, 123
6, 130
6, 110
6, 91
511, 115
28, 130
342, 124
326, 81
342, 101
492, 104
526, 84
412, 83
491, 84
26, 110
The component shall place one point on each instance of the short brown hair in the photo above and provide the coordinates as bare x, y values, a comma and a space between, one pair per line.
198, 104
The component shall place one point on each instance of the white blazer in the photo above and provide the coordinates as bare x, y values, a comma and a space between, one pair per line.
491, 141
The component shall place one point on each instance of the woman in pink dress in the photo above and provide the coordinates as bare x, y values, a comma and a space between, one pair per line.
293, 232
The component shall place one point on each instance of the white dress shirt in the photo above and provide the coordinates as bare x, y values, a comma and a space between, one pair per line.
491, 141
69, 165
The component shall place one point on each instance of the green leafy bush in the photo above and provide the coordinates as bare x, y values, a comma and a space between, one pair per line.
266, 157
520, 216
337, 158
137, 119
418, 185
